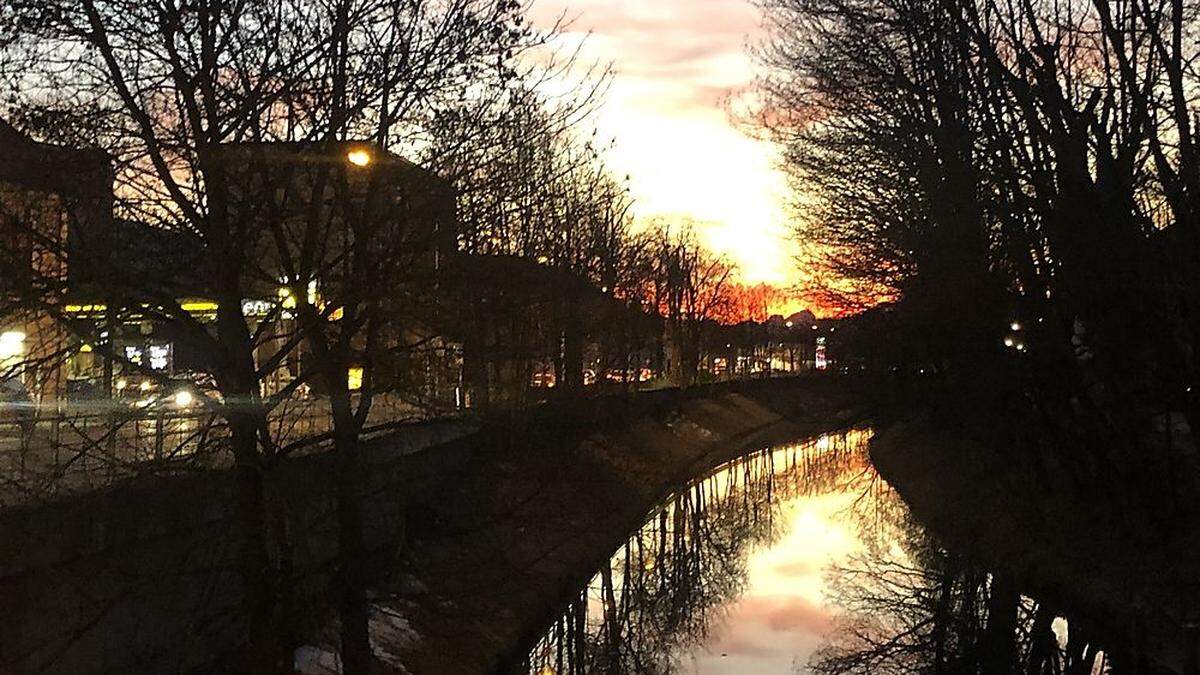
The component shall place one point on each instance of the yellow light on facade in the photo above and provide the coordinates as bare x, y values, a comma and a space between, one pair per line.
358, 157
354, 379
84, 309
145, 385
121, 384
199, 306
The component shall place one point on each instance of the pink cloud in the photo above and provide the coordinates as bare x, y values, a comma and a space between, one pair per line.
667, 39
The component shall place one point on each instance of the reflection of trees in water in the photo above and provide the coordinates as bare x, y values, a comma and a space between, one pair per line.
909, 606
906, 605
660, 590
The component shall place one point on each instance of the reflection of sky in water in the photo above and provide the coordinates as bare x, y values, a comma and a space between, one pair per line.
782, 617
743, 569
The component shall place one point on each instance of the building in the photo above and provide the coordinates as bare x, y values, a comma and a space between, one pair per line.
54, 203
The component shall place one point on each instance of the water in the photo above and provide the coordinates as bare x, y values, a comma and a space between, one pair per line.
799, 559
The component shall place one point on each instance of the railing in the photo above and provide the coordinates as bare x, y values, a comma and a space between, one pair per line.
48, 453
45, 453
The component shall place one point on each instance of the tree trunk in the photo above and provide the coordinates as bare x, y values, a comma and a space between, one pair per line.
354, 612
572, 353
998, 654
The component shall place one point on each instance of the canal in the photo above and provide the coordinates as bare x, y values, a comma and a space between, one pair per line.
798, 558
792, 556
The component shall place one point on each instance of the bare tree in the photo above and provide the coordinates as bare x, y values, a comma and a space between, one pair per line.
691, 290
163, 88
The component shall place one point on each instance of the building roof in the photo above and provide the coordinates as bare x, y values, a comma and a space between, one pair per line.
69, 172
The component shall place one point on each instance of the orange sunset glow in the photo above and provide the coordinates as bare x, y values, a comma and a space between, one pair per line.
677, 63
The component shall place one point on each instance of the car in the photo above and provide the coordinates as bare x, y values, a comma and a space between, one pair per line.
17, 405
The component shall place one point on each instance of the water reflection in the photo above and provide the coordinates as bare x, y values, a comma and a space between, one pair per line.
801, 559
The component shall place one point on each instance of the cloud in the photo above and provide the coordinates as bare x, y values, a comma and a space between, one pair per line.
693, 41
676, 64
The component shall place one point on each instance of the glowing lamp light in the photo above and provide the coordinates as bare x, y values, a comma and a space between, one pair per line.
789, 324
12, 343
1015, 326
358, 157
1008, 342
145, 385
121, 384
183, 398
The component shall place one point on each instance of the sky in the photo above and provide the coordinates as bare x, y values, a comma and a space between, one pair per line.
676, 63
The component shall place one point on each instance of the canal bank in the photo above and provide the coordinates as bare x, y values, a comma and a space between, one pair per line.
1110, 543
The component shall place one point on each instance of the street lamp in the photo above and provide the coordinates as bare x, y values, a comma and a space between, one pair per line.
358, 157
12, 344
